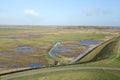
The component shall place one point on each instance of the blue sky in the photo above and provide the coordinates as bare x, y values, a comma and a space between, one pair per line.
60, 12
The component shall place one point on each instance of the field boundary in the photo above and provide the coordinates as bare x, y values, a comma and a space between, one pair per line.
57, 69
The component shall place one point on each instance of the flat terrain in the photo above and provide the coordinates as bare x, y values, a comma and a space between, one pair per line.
32, 44
28, 47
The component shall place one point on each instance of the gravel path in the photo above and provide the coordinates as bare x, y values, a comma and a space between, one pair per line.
57, 69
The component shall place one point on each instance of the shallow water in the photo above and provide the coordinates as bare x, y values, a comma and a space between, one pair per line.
88, 42
82, 47
25, 49
32, 65
66, 48
15, 66
62, 53
53, 51
63, 48
34, 35
35, 65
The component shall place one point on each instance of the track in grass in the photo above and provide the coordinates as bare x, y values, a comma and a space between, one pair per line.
73, 73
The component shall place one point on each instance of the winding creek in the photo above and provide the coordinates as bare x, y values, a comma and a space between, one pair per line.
92, 45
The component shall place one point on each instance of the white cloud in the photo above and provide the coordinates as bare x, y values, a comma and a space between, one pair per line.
31, 12
96, 11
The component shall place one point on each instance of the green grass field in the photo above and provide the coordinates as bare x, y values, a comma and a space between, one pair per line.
76, 75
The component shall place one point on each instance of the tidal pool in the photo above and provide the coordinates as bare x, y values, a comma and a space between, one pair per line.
64, 49
88, 42
31, 65
15, 66
25, 49
34, 35
53, 51
35, 65
57, 47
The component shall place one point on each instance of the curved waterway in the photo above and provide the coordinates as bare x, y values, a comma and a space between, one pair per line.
53, 50
84, 42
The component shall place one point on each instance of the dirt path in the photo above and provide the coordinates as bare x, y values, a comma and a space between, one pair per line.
57, 69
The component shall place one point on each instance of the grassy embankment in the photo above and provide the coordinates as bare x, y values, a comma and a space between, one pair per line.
106, 55
76, 75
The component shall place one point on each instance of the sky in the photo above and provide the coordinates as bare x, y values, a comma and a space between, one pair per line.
60, 12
